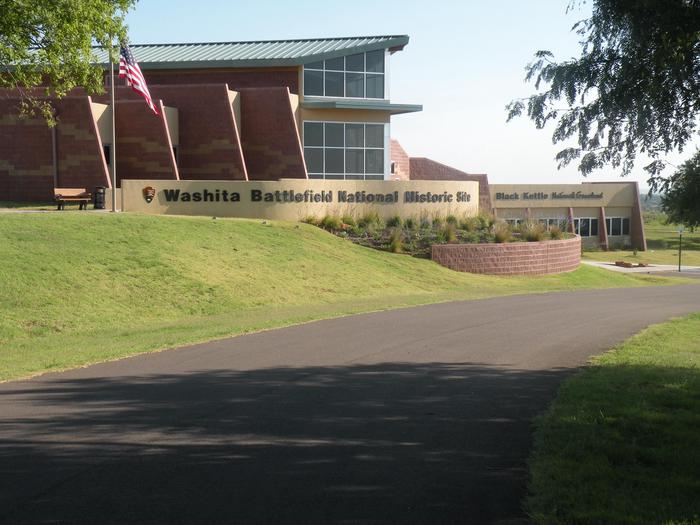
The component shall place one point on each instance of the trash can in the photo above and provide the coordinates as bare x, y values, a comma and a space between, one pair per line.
98, 198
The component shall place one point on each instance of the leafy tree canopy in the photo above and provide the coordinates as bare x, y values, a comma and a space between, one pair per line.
48, 43
681, 202
635, 88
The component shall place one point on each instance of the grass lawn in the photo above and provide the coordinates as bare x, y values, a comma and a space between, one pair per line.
662, 244
621, 443
79, 288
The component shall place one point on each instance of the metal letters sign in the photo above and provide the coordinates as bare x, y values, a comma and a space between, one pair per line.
295, 199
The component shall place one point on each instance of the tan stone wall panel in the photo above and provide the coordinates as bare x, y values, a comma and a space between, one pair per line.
622, 194
133, 199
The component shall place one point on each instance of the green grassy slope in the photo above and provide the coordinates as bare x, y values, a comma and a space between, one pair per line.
621, 443
78, 288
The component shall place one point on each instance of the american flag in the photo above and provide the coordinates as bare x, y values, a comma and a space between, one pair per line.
130, 70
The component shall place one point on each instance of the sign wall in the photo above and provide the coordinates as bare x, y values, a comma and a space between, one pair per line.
295, 199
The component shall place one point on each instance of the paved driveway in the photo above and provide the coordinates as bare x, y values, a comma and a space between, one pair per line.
420, 415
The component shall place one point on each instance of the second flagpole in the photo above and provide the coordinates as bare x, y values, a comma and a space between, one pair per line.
113, 149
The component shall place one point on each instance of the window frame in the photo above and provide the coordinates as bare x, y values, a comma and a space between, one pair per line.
345, 71
623, 221
577, 226
549, 222
345, 148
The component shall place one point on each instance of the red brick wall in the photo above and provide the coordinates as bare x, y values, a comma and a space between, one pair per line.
402, 165
209, 147
26, 160
143, 146
271, 144
80, 157
236, 79
428, 169
515, 258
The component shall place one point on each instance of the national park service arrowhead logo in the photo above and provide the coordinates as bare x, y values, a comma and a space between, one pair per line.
149, 193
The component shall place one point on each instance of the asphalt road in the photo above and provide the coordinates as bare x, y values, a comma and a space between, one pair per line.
420, 415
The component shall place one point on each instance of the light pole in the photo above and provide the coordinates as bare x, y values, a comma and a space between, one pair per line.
680, 246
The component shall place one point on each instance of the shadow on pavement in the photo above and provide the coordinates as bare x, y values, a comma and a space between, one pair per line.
401, 443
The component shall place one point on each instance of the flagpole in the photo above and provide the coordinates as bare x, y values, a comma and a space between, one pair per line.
113, 149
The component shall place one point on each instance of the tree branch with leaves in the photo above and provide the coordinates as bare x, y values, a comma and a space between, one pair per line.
46, 47
634, 90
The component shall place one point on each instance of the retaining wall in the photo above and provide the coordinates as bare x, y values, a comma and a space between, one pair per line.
515, 258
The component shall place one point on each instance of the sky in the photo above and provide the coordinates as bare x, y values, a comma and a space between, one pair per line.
465, 61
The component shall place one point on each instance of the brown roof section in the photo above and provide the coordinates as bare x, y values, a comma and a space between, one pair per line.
422, 168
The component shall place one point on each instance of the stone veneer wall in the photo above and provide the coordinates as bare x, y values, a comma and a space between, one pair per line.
515, 258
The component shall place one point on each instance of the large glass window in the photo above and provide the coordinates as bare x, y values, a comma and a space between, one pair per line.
344, 150
618, 225
313, 82
586, 226
550, 223
354, 76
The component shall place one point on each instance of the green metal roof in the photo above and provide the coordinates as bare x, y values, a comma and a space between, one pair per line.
344, 103
263, 53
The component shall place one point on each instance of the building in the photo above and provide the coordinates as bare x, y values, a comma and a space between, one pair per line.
317, 108
265, 111
606, 215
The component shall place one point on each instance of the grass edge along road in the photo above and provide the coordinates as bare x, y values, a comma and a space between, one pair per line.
81, 288
620, 443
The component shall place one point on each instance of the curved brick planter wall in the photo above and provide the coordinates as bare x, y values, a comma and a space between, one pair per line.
515, 258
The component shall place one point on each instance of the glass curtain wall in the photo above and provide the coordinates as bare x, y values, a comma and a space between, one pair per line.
344, 150
353, 76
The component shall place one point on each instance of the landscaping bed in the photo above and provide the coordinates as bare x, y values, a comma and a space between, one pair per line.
415, 236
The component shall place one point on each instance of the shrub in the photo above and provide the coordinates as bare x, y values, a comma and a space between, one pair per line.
440, 237
555, 233
370, 218
470, 224
349, 220
331, 222
531, 231
447, 233
394, 222
410, 223
472, 238
311, 219
502, 233
437, 222
451, 219
396, 241
425, 223
486, 221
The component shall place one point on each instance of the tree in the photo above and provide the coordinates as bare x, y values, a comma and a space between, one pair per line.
48, 44
681, 202
634, 90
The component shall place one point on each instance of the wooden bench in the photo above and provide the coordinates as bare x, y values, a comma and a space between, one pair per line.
79, 195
